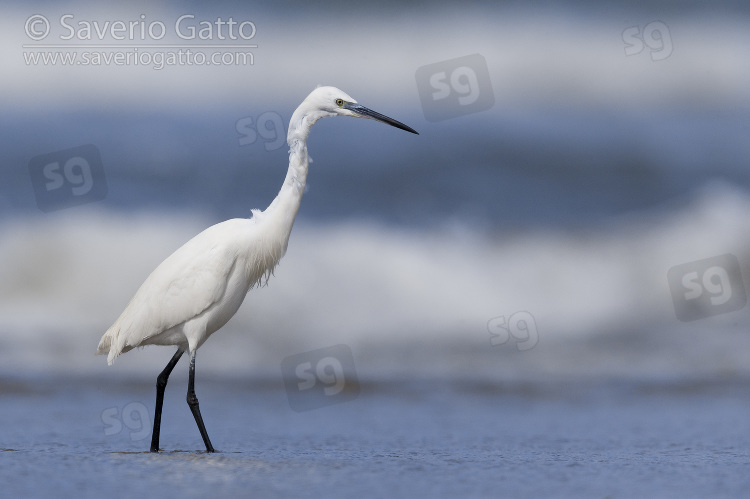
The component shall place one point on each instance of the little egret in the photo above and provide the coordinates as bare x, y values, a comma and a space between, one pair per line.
199, 287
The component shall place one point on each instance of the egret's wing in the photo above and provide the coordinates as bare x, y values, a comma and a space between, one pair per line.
182, 287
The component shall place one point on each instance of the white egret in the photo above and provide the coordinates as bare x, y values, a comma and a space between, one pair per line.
199, 287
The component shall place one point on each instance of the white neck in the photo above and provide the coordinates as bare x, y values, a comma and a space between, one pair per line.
283, 209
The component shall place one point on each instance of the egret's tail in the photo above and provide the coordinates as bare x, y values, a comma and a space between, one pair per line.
108, 345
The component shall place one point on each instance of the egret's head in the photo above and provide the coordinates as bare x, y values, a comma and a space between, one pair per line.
331, 101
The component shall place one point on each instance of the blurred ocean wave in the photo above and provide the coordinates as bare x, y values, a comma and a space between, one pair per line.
382, 289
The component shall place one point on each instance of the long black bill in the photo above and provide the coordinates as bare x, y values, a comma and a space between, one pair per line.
369, 113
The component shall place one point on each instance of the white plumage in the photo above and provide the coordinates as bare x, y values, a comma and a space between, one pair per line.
199, 287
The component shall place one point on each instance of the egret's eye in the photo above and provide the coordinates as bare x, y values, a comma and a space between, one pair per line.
340, 102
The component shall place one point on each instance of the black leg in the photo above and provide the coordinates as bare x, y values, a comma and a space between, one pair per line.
161, 384
192, 401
